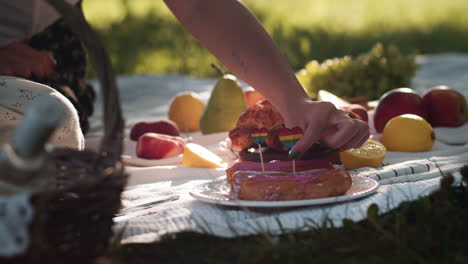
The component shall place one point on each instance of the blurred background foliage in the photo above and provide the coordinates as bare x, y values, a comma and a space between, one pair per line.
143, 37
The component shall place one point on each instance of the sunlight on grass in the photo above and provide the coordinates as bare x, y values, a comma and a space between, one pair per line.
144, 37
102, 13
358, 14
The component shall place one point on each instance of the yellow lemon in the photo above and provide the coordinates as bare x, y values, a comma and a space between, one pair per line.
408, 133
197, 156
371, 154
186, 110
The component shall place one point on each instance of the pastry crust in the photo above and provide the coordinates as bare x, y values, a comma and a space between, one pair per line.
275, 166
278, 186
261, 115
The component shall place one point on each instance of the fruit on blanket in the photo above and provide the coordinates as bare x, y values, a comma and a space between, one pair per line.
252, 97
408, 133
398, 102
326, 96
369, 74
358, 110
197, 156
339, 103
159, 146
304, 78
445, 106
166, 127
185, 110
371, 154
226, 104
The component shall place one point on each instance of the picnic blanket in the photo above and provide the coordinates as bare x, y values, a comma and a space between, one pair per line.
404, 176
401, 181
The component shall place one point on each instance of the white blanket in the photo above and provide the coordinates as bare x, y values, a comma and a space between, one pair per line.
401, 181
405, 176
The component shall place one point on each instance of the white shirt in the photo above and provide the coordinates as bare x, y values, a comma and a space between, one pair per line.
21, 19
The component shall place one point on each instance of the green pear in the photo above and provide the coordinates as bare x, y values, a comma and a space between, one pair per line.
226, 104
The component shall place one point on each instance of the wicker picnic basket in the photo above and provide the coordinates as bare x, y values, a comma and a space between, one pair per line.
73, 216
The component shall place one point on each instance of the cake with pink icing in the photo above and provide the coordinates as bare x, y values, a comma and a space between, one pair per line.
312, 179
277, 166
283, 186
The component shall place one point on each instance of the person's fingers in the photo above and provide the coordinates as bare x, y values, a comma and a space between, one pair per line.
351, 143
365, 137
311, 125
333, 127
361, 136
358, 139
345, 132
311, 136
365, 132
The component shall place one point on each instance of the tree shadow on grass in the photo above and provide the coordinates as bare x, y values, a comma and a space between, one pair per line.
158, 44
150, 44
301, 45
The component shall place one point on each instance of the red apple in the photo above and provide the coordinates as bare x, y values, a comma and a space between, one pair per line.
445, 106
252, 97
166, 127
159, 146
398, 102
358, 110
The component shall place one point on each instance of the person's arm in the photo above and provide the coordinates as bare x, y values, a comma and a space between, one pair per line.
234, 35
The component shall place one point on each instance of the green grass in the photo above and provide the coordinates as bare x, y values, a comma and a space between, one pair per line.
144, 37
432, 229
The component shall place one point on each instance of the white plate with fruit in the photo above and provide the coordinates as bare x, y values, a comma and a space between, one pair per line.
129, 155
156, 144
160, 143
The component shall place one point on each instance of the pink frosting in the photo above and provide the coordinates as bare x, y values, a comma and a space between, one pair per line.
302, 178
277, 165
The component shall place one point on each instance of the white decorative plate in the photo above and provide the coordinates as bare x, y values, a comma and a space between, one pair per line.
217, 192
129, 157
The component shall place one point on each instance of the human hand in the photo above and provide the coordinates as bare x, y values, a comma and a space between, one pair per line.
19, 59
322, 121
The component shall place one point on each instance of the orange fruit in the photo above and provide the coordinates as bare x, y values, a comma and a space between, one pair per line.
371, 154
186, 110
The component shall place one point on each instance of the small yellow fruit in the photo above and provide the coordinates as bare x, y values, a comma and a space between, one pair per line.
408, 133
371, 154
197, 156
186, 110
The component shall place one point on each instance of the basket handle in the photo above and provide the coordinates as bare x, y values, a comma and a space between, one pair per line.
111, 143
